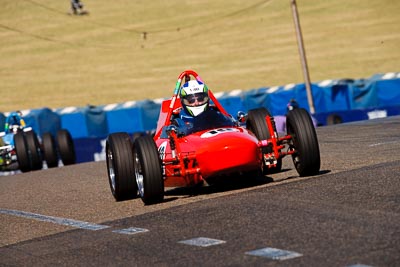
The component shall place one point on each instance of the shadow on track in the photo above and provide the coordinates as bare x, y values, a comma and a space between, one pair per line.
220, 184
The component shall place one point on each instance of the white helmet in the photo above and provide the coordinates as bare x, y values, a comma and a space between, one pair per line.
194, 97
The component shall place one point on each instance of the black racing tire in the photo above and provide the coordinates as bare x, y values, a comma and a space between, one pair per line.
148, 170
256, 124
49, 150
304, 140
21, 149
34, 150
66, 147
120, 166
136, 135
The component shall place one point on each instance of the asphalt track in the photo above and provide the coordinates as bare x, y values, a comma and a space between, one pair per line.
348, 215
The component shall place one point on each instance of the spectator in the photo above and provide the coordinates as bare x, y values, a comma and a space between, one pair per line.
77, 8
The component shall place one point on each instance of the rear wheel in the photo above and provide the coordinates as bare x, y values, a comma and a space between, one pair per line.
21, 148
49, 150
120, 166
304, 140
257, 124
66, 147
148, 170
34, 150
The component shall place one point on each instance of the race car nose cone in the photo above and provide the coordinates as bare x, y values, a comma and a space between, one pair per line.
228, 150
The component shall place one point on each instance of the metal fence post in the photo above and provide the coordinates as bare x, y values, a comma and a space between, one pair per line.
303, 56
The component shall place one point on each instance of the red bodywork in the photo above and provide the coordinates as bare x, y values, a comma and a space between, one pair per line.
194, 158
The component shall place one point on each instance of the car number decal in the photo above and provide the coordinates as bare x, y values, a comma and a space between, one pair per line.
215, 132
161, 150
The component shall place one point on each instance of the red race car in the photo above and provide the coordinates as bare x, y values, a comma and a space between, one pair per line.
210, 145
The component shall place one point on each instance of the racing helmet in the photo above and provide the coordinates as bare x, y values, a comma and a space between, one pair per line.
194, 97
14, 123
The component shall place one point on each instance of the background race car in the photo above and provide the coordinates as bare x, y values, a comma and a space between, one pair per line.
211, 145
20, 147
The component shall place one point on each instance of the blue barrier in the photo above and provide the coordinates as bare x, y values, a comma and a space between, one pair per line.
343, 116
232, 102
90, 121
75, 122
2, 122
124, 120
43, 121
89, 149
96, 121
138, 117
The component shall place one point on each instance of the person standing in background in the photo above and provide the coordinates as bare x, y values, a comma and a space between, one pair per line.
77, 8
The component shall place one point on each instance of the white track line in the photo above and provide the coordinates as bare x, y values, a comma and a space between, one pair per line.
131, 231
202, 242
274, 254
56, 220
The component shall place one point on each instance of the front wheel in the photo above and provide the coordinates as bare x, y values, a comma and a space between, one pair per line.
304, 141
21, 149
120, 168
148, 170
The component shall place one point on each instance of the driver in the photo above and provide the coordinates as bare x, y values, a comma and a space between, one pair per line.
196, 113
14, 122
194, 99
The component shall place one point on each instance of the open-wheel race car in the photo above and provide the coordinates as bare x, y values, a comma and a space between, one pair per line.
212, 144
20, 148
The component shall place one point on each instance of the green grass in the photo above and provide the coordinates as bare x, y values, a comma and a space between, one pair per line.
51, 59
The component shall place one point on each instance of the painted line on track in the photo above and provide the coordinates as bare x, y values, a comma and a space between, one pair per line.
384, 143
70, 222
274, 253
55, 220
268, 252
202, 242
131, 231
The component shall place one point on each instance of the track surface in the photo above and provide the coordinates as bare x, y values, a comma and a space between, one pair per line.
347, 215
